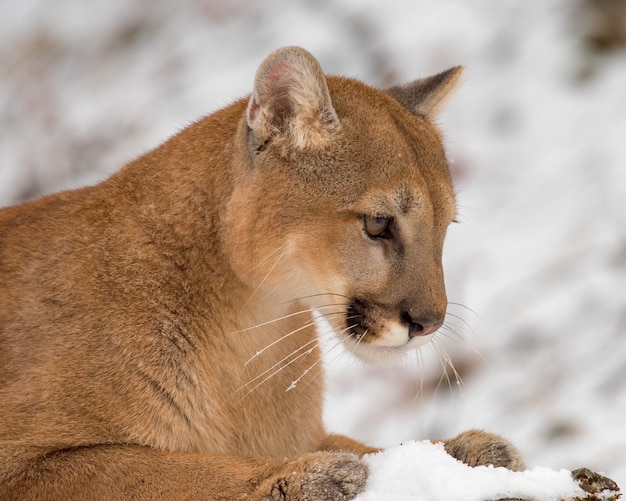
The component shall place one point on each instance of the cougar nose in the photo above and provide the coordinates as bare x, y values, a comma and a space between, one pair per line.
420, 326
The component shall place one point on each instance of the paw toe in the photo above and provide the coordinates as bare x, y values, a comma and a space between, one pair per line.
341, 477
477, 448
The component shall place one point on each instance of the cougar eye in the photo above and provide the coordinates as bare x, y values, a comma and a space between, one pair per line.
377, 226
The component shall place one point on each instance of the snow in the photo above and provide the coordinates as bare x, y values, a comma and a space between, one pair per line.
423, 470
537, 267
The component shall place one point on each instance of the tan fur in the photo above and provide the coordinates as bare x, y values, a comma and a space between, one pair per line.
156, 337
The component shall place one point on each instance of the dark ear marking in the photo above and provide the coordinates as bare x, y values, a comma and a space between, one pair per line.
427, 96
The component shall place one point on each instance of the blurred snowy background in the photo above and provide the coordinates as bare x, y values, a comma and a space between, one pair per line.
538, 140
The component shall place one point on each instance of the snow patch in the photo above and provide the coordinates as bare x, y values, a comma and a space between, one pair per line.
423, 470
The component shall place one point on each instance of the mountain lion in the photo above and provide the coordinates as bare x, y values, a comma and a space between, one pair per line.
157, 332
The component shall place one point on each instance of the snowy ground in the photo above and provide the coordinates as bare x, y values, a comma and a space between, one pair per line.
537, 135
393, 478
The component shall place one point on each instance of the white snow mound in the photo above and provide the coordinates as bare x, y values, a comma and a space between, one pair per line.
424, 471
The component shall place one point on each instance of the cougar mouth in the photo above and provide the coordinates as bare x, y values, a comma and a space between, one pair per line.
377, 335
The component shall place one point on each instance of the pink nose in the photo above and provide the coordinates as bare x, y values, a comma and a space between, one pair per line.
420, 326
424, 329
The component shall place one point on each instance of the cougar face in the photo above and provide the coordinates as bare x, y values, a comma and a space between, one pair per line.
356, 209
384, 256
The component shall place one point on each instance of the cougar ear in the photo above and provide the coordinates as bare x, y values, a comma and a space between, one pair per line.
291, 100
427, 96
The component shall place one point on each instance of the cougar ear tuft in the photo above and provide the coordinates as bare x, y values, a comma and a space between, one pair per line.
427, 96
291, 100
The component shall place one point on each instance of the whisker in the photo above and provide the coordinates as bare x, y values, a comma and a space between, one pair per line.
346, 329
320, 370
336, 337
266, 258
295, 382
451, 331
318, 310
316, 374
282, 254
448, 332
291, 333
446, 361
269, 293
286, 361
444, 374
361, 337
332, 316
278, 363
465, 322
304, 354
419, 359
466, 308
275, 342
318, 295
284, 317
302, 298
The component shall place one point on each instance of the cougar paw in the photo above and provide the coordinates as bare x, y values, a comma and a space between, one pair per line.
320, 476
478, 448
341, 476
